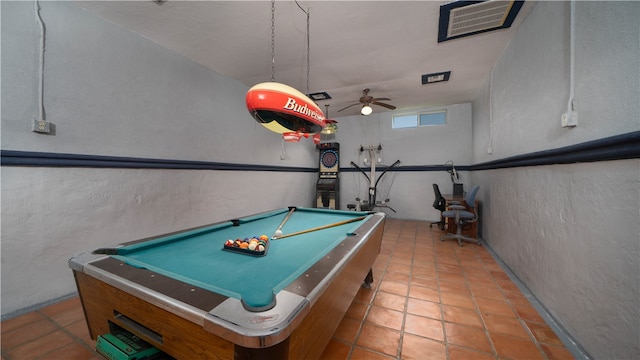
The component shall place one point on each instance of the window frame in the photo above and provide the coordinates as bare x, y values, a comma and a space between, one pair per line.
434, 112
417, 116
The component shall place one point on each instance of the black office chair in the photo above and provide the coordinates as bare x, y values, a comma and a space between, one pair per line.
462, 217
439, 204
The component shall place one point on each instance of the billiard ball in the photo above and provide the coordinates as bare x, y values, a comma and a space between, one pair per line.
278, 233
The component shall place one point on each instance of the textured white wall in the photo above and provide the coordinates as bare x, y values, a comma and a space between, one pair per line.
569, 232
410, 193
111, 92
50, 214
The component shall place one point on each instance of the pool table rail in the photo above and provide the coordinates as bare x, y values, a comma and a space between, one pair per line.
157, 298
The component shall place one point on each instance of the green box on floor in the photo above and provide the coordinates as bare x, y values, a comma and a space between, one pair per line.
123, 345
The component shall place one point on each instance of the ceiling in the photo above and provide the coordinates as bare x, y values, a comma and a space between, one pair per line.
385, 46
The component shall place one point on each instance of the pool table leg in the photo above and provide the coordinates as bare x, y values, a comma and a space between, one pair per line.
368, 280
279, 351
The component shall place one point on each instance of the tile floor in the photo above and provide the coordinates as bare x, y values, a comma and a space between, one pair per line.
430, 300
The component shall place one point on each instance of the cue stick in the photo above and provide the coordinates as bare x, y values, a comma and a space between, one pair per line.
322, 227
291, 210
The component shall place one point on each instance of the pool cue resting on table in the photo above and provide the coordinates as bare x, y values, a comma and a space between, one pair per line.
278, 232
320, 228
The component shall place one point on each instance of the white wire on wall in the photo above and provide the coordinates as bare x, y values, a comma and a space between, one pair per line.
572, 52
36, 8
490, 148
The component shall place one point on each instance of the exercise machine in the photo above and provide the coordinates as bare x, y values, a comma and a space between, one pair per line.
372, 202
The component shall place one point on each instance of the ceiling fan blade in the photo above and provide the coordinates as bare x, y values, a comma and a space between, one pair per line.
349, 106
378, 99
384, 105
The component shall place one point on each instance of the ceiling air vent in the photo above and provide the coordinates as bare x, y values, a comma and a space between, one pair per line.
465, 18
436, 77
319, 96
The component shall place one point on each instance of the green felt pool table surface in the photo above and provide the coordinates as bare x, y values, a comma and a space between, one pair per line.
197, 256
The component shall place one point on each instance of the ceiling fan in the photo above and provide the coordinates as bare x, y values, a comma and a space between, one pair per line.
368, 100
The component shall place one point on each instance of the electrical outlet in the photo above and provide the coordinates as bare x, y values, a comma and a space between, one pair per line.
41, 126
569, 120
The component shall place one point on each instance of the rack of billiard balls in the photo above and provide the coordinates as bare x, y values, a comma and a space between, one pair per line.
256, 246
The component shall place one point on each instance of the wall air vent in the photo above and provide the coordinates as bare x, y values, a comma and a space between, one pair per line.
465, 18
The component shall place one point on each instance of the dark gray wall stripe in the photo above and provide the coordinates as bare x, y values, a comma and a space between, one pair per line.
619, 147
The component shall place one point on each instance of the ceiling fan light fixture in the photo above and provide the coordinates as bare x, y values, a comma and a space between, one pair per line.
367, 100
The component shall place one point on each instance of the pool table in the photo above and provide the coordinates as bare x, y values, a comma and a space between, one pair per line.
192, 298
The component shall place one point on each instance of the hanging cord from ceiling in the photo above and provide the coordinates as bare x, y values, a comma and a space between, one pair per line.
283, 150
36, 8
283, 153
307, 12
273, 40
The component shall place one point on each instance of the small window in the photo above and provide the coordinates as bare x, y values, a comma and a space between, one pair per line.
405, 121
422, 119
434, 118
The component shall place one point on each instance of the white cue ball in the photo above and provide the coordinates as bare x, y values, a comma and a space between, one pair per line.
278, 233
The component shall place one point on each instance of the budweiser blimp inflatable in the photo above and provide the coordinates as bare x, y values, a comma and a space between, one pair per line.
284, 110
